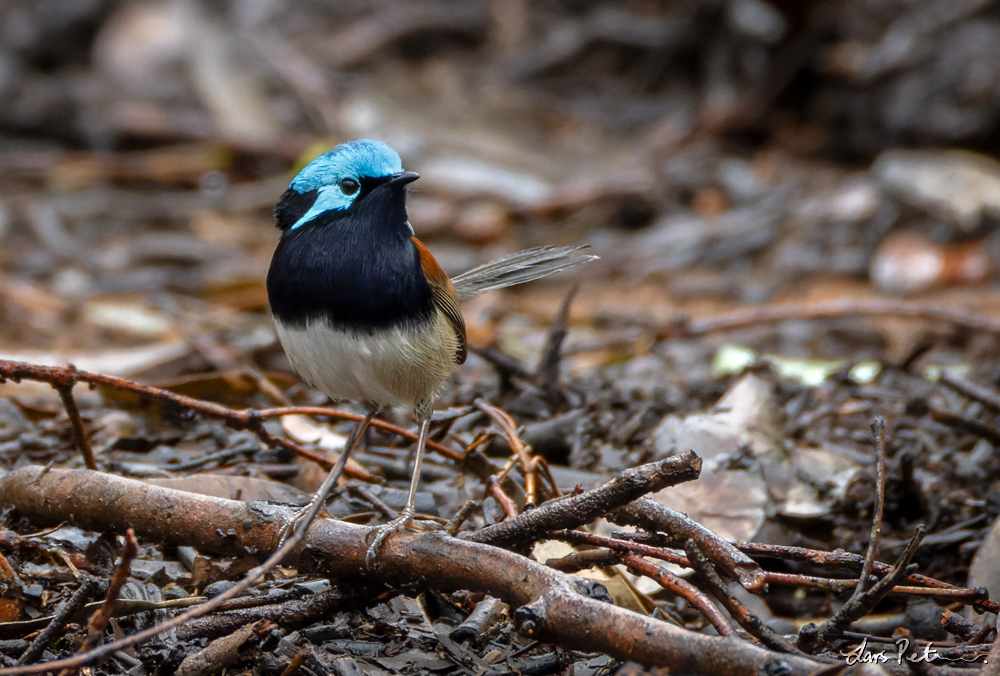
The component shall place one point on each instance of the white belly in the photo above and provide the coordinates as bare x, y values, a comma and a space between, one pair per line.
392, 367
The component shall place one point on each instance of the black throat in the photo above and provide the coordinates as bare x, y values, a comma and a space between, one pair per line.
357, 270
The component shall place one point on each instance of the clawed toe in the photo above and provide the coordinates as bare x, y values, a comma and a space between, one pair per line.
382, 533
294, 522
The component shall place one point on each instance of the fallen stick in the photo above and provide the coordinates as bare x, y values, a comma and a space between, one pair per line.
551, 606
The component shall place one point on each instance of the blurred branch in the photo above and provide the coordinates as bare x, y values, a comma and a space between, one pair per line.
836, 309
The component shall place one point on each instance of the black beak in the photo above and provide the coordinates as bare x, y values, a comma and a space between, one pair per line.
403, 178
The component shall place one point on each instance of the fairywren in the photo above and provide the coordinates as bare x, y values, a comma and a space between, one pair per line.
361, 307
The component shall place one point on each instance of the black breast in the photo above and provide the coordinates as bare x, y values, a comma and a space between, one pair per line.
357, 269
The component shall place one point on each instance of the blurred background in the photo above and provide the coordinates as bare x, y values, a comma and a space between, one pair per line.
714, 153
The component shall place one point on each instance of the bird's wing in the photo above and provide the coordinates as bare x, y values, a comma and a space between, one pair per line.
444, 296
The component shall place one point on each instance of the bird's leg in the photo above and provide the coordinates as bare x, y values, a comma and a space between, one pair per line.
406, 516
306, 515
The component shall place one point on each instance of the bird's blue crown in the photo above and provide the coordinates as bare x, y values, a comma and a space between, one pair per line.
351, 161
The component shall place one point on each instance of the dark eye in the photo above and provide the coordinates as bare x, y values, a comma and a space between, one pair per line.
349, 186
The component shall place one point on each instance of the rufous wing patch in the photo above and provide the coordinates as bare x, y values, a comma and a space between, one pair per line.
443, 295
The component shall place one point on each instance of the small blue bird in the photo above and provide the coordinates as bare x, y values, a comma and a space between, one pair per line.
363, 310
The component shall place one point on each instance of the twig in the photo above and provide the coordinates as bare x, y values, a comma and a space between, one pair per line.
547, 373
507, 365
312, 607
575, 510
297, 661
916, 352
245, 419
377, 32
461, 516
587, 558
652, 516
843, 560
323, 411
223, 652
495, 490
899, 572
256, 425
621, 546
861, 602
971, 390
486, 470
539, 463
878, 430
957, 624
248, 446
963, 424
124, 608
307, 80
64, 613
487, 614
740, 612
101, 617
769, 314
686, 590
509, 428
361, 492
65, 391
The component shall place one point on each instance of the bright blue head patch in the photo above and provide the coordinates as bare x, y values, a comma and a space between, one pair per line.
354, 159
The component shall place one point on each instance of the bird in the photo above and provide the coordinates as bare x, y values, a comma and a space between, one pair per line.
361, 307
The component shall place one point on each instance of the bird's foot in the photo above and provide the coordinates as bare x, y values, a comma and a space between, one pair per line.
382, 533
294, 522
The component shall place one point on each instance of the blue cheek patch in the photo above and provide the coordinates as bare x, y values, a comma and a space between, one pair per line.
328, 199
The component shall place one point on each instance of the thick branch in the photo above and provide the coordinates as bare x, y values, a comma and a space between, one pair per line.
650, 515
577, 510
552, 606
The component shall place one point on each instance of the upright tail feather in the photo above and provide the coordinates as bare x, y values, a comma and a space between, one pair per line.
518, 268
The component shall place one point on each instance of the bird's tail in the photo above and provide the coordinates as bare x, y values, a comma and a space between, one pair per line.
518, 268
